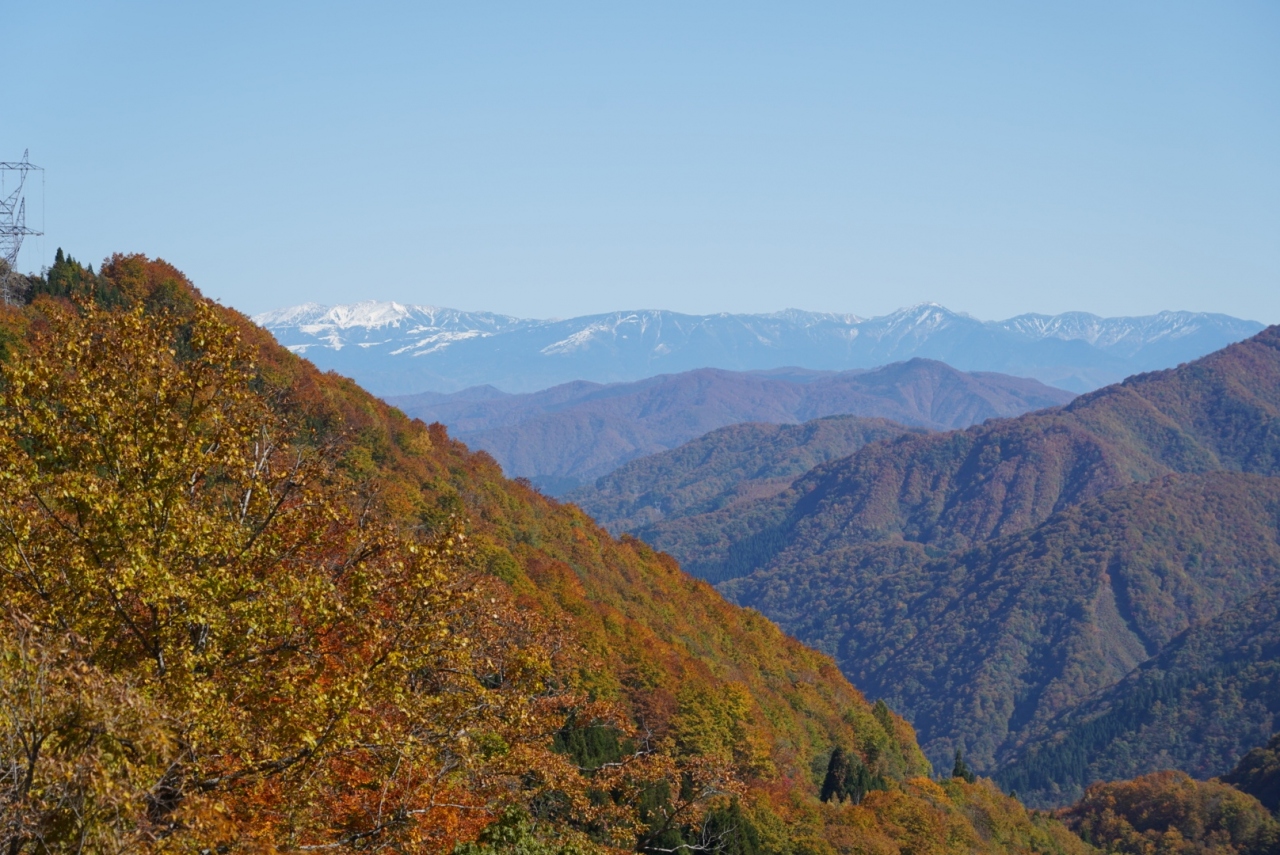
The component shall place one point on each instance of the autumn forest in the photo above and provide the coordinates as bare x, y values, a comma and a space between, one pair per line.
249, 607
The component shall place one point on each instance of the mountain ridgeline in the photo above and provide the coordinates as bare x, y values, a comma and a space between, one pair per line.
566, 435
394, 349
986, 581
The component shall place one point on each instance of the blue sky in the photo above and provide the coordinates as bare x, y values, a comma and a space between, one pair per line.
557, 159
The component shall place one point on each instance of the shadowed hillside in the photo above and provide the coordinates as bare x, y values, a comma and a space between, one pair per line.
1258, 774
981, 648
1209, 696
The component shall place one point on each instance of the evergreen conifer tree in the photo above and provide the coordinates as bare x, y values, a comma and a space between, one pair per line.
961, 768
833, 786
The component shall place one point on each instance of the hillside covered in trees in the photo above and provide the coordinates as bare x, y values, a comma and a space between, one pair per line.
250, 608
1205, 700
1169, 813
723, 467
997, 640
1258, 774
986, 580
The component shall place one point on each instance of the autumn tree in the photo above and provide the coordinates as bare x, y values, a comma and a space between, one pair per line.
1169, 812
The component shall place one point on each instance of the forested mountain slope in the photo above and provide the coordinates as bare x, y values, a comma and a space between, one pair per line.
580, 431
248, 607
732, 464
951, 490
1258, 774
1208, 698
1169, 813
982, 647
987, 579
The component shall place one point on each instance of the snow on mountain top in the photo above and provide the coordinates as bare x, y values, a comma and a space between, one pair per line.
325, 322
378, 313
377, 342
370, 314
1106, 332
291, 316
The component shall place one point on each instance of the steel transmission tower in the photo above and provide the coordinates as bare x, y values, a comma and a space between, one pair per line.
13, 210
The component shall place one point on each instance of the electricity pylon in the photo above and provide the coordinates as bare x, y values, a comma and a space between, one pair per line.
13, 210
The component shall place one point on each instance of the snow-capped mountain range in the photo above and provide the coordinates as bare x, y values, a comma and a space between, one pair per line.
396, 349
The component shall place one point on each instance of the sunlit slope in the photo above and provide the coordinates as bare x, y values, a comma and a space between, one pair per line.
726, 466
955, 489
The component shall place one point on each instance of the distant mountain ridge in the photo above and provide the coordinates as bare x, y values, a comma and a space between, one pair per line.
397, 349
577, 432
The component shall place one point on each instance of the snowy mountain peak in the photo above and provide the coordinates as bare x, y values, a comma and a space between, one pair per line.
306, 313
371, 314
396, 348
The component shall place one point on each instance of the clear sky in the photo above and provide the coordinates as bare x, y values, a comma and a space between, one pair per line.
556, 159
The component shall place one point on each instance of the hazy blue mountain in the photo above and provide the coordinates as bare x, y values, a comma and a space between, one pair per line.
394, 349
576, 432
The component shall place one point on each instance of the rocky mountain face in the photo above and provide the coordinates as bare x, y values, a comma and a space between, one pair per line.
395, 349
567, 435
989, 580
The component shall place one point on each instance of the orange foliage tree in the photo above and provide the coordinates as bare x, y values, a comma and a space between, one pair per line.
1169, 813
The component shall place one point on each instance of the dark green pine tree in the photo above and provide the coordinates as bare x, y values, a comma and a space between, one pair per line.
727, 831
861, 780
835, 784
961, 768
